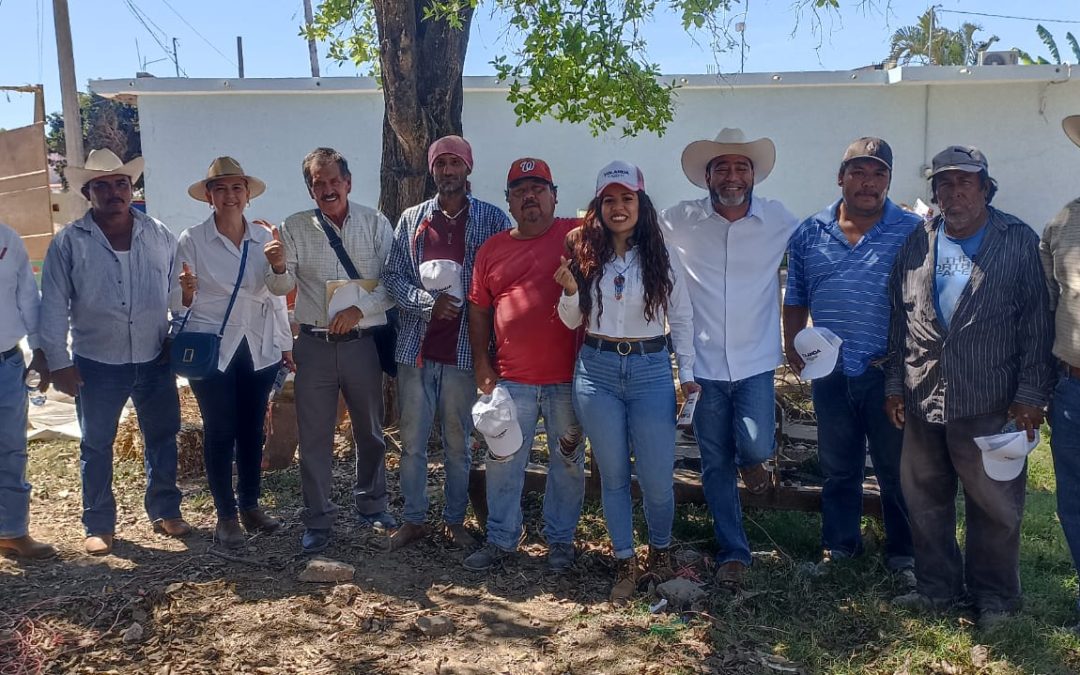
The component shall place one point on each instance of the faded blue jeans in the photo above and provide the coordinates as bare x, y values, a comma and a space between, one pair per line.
14, 489
422, 391
105, 390
1065, 445
851, 413
627, 407
735, 426
565, 488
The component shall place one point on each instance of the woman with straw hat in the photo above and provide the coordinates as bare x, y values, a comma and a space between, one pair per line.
217, 265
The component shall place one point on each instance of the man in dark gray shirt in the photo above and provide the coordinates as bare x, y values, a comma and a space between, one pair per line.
969, 349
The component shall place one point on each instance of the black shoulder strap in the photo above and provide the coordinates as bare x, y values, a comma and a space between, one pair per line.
338, 246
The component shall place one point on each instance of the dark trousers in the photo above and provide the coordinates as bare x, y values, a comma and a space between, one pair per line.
323, 369
934, 457
233, 407
851, 415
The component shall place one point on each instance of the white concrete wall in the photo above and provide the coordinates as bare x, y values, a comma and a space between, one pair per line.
1017, 125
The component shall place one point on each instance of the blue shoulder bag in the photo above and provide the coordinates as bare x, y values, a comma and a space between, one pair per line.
195, 355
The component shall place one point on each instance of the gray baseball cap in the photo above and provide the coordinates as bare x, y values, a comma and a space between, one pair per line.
959, 158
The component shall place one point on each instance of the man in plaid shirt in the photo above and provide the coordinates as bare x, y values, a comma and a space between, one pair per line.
435, 363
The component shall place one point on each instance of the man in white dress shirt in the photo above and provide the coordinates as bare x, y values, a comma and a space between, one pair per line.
18, 317
731, 243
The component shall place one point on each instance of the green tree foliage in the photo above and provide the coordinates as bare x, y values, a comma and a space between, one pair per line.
929, 43
105, 124
1048, 39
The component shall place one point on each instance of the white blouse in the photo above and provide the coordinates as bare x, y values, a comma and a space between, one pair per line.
624, 317
258, 315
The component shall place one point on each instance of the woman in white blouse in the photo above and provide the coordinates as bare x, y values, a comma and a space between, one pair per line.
624, 394
257, 340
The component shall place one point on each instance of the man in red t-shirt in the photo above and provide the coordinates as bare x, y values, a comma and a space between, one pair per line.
513, 296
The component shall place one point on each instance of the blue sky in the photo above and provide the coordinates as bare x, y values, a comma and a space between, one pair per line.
109, 42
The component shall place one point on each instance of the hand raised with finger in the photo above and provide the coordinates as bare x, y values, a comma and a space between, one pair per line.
274, 251
565, 278
189, 283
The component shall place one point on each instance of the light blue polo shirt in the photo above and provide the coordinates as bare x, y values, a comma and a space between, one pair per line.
846, 286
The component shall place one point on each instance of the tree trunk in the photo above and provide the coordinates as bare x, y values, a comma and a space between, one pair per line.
422, 63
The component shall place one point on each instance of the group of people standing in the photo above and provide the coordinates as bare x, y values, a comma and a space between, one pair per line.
945, 330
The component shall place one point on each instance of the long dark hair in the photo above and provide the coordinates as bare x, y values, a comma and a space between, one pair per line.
592, 247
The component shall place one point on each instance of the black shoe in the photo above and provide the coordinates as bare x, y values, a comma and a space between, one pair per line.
314, 541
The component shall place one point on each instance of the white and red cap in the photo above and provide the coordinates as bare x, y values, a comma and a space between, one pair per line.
620, 173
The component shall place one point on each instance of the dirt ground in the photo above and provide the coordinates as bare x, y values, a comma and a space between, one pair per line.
160, 605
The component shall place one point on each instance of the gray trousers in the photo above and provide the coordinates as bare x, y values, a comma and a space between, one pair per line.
933, 457
322, 370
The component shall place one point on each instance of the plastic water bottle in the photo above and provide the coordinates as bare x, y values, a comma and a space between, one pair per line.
33, 381
279, 381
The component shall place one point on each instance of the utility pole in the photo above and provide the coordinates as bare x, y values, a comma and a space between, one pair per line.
240, 55
313, 53
176, 57
69, 95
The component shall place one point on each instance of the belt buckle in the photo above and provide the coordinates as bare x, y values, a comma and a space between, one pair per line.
619, 348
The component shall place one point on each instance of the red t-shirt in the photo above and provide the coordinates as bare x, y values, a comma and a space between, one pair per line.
516, 277
444, 239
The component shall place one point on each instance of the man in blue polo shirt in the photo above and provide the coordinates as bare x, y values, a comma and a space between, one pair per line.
838, 271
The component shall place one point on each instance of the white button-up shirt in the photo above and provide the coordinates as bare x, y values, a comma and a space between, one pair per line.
19, 300
731, 270
625, 317
258, 316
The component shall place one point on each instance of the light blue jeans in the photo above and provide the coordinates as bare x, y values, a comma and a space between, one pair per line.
627, 406
735, 426
565, 489
14, 490
423, 391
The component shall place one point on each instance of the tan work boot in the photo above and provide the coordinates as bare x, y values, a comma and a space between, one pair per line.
99, 544
626, 580
229, 534
172, 527
26, 548
658, 565
256, 520
408, 534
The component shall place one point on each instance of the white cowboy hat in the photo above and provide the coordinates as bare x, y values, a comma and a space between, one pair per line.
101, 163
1071, 125
226, 167
697, 155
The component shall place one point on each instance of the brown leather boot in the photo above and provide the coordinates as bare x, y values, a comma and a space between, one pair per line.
99, 544
626, 580
408, 534
172, 527
229, 534
658, 565
26, 548
256, 520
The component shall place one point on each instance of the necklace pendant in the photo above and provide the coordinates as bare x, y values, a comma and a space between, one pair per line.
450, 238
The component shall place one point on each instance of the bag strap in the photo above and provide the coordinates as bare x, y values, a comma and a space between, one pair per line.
236, 288
338, 246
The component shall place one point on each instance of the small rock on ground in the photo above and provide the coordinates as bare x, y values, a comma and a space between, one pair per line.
680, 591
325, 571
434, 626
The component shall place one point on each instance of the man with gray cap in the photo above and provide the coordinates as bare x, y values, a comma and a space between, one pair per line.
969, 350
1060, 247
838, 271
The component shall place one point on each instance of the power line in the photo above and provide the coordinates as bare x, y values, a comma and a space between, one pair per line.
188, 24
143, 18
1007, 16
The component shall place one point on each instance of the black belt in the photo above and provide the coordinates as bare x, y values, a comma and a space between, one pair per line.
10, 353
625, 348
327, 336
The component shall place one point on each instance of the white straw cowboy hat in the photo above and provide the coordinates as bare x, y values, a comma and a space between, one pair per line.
1071, 125
226, 167
697, 155
99, 164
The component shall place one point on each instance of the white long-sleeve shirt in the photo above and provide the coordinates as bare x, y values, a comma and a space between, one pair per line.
625, 317
732, 275
19, 299
258, 316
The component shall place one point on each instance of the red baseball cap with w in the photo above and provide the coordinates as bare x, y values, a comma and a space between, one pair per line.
528, 167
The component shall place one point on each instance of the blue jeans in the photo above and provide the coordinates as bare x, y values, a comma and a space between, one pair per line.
850, 412
14, 490
233, 408
423, 391
1065, 446
627, 407
735, 426
105, 390
565, 489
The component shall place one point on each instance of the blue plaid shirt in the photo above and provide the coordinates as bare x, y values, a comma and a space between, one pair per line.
401, 275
